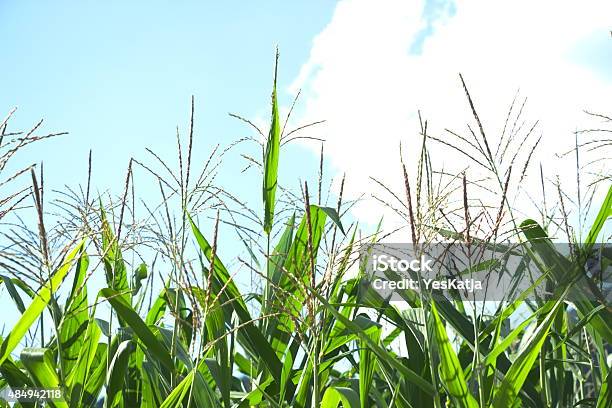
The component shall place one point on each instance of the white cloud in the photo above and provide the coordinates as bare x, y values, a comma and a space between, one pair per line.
362, 78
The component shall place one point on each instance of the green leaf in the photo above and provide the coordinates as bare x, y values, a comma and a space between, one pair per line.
287, 372
139, 275
507, 341
451, 372
157, 309
13, 376
298, 260
95, 378
383, 355
176, 397
277, 259
75, 319
39, 363
333, 215
604, 213
520, 368
114, 266
545, 255
80, 374
272, 151
335, 395
141, 330
153, 389
10, 287
605, 394
117, 371
367, 365
273, 327
37, 306
223, 285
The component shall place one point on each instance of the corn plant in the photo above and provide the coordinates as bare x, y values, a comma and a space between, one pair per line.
171, 326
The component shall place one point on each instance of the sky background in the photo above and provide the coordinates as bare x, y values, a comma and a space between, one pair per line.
118, 76
370, 82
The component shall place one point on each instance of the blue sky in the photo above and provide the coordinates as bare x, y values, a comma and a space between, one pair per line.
119, 75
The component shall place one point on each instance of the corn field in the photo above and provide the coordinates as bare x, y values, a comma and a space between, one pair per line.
126, 303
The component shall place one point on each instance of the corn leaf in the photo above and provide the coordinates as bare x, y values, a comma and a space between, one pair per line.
12, 290
517, 374
116, 374
37, 306
178, 394
335, 395
114, 266
604, 213
605, 394
272, 150
544, 252
81, 373
39, 363
451, 372
382, 354
255, 341
141, 330
367, 365
75, 319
